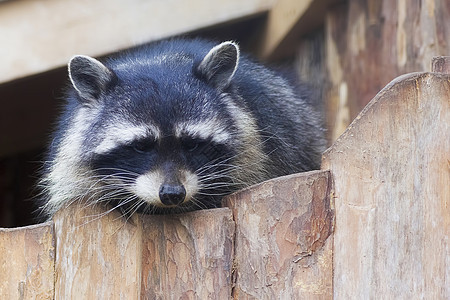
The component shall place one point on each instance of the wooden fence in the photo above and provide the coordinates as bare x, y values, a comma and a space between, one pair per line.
373, 223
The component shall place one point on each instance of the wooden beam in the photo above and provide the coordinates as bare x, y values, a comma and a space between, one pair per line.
37, 36
287, 20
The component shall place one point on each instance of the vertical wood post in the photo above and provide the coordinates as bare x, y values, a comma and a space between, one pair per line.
100, 256
283, 242
97, 256
27, 262
392, 194
188, 256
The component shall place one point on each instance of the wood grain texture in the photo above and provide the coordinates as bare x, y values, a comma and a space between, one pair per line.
27, 262
286, 22
441, 64
371, 42
58, 30
282, 19
283, 249
283, 243
392, 190
97, 256
188, 256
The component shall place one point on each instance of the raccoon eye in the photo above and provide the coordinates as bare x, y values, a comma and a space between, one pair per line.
194, 144
143, 146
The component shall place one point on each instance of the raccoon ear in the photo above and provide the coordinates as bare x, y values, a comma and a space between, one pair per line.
220, 64
89, 77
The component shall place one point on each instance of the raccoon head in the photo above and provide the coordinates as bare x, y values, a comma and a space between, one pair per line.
160, 135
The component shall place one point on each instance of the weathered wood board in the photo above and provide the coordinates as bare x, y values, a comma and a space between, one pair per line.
188, 256
56, 30
98, 256
27, 262
392, 194
283, 238
101, 256
286, 22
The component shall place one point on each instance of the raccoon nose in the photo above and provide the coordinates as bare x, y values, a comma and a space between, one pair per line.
172, 194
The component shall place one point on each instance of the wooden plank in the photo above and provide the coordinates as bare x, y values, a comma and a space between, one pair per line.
102, 256
56, 30
282, 18
27, 262
188, 256
283, 243
286, 22
392, 193
97, 256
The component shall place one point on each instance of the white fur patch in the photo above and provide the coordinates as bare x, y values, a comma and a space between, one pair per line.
147, 186
121, 134
211, 128
190, 183
66, 181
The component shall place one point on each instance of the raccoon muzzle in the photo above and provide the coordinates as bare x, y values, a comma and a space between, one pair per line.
171, 195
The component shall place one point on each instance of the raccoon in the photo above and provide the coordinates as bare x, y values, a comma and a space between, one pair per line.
173, 127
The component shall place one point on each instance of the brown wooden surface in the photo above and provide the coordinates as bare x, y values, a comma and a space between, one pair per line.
188, 256
153, 257
287, 21
192, 256
392, 192
27, 262
283, 243
56, 31
97, 257
371, 42
282, 19
441, 64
